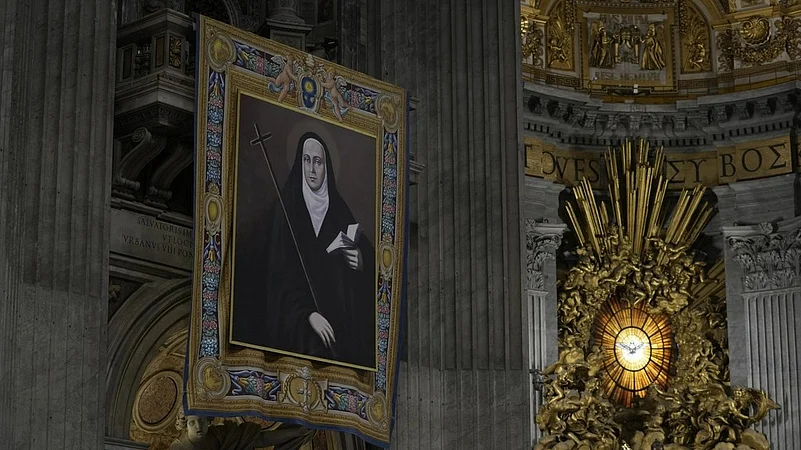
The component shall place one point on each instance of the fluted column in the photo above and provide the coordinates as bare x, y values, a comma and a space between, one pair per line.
56, 88
542, 242
465, 381
763, 294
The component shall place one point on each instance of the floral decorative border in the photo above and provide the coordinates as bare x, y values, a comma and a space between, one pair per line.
224, 380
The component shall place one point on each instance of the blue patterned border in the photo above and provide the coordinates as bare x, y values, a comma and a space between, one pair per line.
214, 386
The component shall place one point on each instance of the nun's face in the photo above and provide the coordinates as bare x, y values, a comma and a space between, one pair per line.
314, 164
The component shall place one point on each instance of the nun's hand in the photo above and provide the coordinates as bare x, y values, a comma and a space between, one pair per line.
323, 329
354, 258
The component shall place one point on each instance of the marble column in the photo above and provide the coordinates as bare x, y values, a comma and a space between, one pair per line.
464, 382
763, 294
542, 242
56, 86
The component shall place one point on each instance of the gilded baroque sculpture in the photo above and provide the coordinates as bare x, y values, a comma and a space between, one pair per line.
636, 260
695, 40
198, 434
755, 41
559, 37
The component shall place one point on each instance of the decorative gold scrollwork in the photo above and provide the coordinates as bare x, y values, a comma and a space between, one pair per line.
754, 42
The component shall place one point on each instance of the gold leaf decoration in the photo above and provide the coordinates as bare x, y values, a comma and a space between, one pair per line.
642, 324
559, 37
695, 39
754, 44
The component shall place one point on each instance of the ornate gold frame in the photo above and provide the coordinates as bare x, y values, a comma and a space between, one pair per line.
227, 380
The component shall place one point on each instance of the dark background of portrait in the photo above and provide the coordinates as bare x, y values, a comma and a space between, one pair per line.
355, 175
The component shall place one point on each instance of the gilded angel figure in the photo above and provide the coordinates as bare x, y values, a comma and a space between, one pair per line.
653, 51
601, 47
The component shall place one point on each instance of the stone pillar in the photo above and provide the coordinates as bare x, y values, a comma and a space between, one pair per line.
56, 87
465, 382
284, 25
542, 242
541, 200
763, 294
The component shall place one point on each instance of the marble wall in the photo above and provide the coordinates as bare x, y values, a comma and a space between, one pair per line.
56, 86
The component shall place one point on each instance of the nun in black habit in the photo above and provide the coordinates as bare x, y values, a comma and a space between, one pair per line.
321, 303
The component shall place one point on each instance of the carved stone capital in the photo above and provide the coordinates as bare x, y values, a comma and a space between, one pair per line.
770, 257
542, 240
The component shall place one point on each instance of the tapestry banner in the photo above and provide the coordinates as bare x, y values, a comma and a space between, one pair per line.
300, 226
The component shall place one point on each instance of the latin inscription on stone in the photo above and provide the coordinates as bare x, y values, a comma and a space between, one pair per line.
145, 237
743, 161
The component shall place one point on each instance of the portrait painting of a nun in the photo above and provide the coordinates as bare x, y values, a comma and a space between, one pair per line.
304, 279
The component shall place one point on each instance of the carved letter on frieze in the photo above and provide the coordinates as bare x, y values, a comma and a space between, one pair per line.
770, 260
541, 246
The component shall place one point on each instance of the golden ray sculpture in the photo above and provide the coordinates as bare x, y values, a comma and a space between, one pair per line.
643, 357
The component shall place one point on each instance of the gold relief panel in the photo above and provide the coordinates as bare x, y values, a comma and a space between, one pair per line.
559, 37
531, 41
695, 39
627, 48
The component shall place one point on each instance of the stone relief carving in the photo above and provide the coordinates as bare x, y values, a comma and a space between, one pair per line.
770, 260
540, 247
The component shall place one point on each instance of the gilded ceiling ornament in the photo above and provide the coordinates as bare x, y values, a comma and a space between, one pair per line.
695, 42
754, 43
791, 30
559, 37
642, 324
755, 30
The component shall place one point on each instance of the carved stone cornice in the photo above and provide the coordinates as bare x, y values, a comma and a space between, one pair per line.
542, 240
769, 254
706, 121
154, 116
